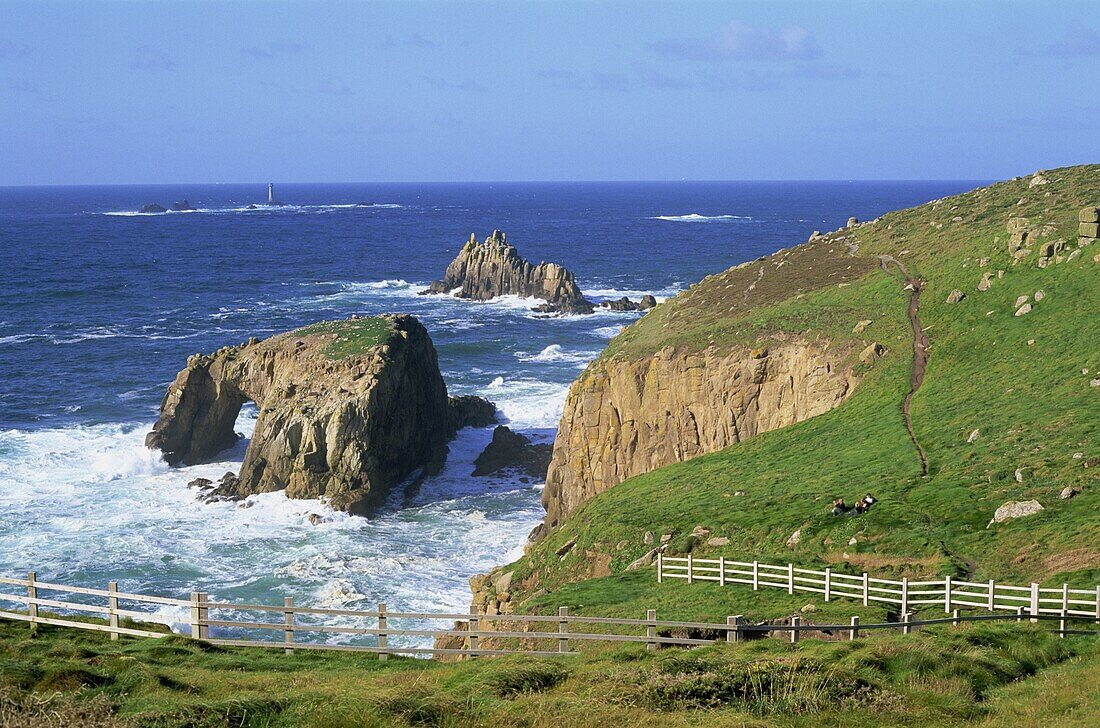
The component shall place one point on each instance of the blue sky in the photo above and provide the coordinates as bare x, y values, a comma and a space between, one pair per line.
127, 92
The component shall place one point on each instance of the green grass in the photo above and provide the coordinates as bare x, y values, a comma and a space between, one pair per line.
350, 336
1032, 403
939, 676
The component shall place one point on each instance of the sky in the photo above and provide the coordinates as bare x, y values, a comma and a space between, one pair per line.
178, 92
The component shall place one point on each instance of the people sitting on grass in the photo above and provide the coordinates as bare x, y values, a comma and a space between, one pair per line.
862, 505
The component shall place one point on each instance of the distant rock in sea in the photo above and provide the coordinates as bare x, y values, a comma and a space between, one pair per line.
184, 206
152, 208
483, 271
347, 409
625, 304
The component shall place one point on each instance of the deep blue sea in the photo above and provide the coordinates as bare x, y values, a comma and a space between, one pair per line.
101, 306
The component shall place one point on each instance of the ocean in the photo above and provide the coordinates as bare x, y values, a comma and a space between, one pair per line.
100, 306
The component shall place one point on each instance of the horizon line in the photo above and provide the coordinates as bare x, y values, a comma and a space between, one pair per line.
508, 182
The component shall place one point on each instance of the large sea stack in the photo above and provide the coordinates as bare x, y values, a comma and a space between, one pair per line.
483, 271
346, 410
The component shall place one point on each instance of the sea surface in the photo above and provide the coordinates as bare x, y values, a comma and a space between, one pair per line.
100, 307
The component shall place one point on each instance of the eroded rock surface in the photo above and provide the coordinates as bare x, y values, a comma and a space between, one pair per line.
513, 451
626, 417
483, 271
346, 410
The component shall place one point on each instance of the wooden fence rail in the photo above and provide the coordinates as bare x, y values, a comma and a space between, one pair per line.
948, 592
539, 634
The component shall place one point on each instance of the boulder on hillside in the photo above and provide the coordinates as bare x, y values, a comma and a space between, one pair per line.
955, 296
512, 451
483, 271
1015, 509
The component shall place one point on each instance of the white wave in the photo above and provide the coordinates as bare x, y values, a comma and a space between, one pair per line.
696, 217
554, 353
253, 208
91, 503
528, 403
607, 332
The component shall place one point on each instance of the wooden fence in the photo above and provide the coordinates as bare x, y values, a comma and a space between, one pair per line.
292, 625
948, 592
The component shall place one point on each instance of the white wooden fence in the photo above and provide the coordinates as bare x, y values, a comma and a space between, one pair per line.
948, 592
294, 625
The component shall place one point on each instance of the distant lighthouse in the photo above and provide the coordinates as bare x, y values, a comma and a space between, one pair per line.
271, 193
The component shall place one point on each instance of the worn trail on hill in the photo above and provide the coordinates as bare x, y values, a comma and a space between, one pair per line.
920, 354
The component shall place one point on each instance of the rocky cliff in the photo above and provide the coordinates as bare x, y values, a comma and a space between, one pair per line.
625, 417
346, 410
483, 271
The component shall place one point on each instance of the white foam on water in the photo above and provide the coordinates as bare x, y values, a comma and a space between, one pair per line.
607, 332
696, 217
92, 504
528, 403
258, 208
555, 353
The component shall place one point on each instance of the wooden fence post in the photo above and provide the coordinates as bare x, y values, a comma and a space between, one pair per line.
866, 589
906, 618
992, 592
854, 632
660, 568
651, 629
474, 627
736, 634
905, 595
1034, 601
112, 609
288, 624
32, 595
828, 582
383, 638
691, 569
194, 615
947, 594
756, 576
563, 629
204, 614
796, 622
721, 571
790, 578
1062, 625
1019, 614
1065, 597
955, 618
1098, 604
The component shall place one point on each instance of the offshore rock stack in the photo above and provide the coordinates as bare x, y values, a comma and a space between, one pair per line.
483, 271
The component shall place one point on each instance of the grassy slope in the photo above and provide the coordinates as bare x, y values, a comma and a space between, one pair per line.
1032, 403
940, 677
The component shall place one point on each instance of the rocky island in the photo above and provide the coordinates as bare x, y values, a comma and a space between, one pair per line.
483, 271
347, 409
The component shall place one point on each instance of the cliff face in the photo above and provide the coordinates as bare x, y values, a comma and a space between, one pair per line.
625, 417
485, 270
346, 410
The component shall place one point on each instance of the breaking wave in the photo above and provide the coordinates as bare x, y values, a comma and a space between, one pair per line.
696, 217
